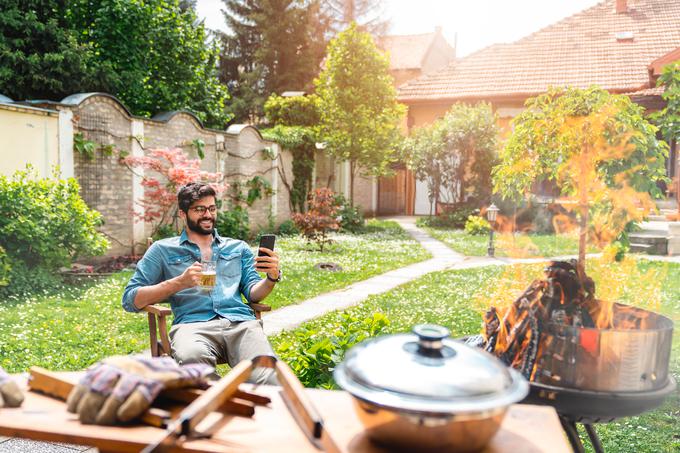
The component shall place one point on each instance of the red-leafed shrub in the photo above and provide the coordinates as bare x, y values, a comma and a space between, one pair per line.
320, 218
166, 170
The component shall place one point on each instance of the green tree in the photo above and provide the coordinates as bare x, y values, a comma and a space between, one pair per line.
40, 56
156, 54
359, 111
456, 153
599, 149
294, 120
369, 15
668, 119
273, 46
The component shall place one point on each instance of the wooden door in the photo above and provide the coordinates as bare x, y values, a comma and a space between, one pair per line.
392, 193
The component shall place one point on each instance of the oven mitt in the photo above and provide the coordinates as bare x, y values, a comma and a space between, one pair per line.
10, 393
120, 388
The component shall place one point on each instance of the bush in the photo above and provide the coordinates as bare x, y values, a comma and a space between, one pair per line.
454, 218
287, 228
234, 223
477, 225
25, 281
313, 355
45, 225
5, 268
350, 218
319, 219
164, 231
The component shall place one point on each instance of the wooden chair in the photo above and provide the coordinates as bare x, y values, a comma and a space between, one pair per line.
158, 326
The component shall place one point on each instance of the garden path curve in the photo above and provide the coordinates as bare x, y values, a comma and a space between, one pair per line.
443, 257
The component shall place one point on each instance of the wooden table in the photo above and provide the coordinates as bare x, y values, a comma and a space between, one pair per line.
526, 429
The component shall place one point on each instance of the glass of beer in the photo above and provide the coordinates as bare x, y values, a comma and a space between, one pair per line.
208, 274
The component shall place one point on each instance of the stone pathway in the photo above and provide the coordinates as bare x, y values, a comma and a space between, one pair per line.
289, 317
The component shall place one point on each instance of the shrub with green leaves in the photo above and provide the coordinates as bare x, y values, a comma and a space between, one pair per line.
454, 218
45, 224
477, 225
350, 218
287, 228
234, 223
4, 268
313, 355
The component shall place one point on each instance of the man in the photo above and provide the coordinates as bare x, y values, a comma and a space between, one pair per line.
208, 324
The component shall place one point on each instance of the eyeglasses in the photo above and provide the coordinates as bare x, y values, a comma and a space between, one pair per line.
202, 209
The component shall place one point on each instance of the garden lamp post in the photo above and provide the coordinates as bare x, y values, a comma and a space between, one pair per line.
491, 217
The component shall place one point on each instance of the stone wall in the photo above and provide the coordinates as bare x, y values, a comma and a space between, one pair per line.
240, 153
105, 185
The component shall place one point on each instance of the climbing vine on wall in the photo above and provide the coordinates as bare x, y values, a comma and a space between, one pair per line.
300, 141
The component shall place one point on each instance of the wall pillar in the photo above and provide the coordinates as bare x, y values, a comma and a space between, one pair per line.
346, 178
66, 144
137, 150
219, 152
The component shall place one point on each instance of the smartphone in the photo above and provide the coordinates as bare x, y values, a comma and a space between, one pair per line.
267, 241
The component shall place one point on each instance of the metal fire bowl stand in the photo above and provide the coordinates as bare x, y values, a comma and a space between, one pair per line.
589, 407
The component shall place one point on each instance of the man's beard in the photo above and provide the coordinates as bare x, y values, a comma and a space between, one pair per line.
197, 228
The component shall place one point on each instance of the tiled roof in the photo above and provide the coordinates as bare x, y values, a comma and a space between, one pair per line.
580, 51
656, 91
407, 51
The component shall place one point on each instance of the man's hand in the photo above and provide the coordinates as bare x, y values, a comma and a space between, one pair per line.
10, 393
191, 276
268, 264
120, 388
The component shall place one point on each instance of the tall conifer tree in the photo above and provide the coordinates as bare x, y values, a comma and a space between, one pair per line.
273, 46
369, 15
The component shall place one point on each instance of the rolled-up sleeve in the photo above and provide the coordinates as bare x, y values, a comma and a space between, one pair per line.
249, 276
148, 272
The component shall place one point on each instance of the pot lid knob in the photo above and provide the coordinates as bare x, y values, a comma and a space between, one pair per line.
430, 336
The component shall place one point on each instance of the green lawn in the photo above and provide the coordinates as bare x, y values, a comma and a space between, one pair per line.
519, 245
383, 247
455, 299
79, 325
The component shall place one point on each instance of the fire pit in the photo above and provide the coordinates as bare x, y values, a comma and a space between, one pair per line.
593, 361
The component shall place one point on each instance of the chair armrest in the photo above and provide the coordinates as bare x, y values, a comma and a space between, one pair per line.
259, 307
158, 310
158, 328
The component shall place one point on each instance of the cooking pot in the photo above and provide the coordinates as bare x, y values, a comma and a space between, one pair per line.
425, 391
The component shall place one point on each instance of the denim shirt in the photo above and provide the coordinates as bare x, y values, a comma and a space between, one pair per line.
168, 258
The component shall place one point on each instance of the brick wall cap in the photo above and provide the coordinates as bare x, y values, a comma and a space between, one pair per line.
79, 98
237, 129
167, 116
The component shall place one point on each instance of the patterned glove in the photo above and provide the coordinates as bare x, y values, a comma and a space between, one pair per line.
10, 393
120, 388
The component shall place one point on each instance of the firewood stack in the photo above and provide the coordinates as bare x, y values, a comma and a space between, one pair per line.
562, 299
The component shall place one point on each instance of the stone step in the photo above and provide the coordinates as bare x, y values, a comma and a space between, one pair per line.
652, 242
670, 204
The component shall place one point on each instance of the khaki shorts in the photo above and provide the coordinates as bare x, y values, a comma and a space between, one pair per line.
222, 341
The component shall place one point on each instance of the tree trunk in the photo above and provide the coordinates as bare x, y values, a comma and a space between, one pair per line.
583, 207
352, 170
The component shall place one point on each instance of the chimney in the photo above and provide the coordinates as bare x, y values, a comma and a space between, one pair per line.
621, 6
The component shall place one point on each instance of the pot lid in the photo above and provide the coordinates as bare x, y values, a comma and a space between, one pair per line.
427, 371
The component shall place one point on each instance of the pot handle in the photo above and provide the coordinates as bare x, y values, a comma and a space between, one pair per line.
430, 336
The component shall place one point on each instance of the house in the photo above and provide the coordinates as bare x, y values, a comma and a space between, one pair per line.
411, 56
619, 45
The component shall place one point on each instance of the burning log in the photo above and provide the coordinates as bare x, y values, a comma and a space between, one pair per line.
563, 298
